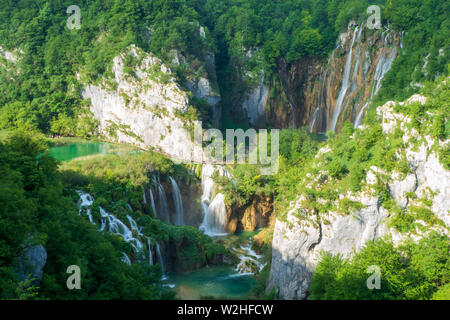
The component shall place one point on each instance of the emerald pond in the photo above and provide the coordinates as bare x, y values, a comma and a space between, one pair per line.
79, 149
211, 282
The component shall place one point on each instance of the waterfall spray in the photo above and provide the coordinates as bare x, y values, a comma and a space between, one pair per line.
152, 202
214, 212
178, 203
163, 208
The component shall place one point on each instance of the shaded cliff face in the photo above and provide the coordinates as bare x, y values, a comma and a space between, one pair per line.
297, 243
323, 94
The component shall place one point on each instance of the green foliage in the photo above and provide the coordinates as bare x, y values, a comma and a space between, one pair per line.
413, 271
34, 203
427, 28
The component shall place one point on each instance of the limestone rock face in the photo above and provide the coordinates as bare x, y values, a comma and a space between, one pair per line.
297, 242
145, 108
255, 104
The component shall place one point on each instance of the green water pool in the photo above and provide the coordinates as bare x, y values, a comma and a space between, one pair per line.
76, 150
212, 282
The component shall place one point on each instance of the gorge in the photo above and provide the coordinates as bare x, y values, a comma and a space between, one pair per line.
107, 135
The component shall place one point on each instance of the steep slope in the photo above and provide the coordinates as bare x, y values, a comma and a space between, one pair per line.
323, 94
404, 201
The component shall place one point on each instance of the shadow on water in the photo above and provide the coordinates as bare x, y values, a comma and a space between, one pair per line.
211, 282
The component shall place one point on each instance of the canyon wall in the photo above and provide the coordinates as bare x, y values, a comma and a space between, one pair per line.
297, 243
322, 94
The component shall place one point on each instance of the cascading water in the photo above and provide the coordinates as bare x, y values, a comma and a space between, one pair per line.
152, 202
344, 86
178, 204
360, 115
115, 226
160, 260
126, 259
383, 66
349, 82
86, 202
150, 254
163, 207
250, 261
214, 212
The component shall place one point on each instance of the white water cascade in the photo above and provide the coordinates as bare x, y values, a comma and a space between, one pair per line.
85, 204
214, 210
160, 258
383, 66
178, 204
150, 254
344, 86
144, 198
115, 226
250, 261
163, 208
360, 115
152, 202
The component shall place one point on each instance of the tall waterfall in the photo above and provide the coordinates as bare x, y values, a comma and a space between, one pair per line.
178, 204
214, 210
150, 254
344, 86
163, 207
152, 202
115, 225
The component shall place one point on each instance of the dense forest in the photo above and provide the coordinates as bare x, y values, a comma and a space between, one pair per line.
40, 98
44, 93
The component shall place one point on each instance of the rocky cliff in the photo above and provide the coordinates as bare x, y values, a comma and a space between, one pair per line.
322, 94
300, 237
145, 104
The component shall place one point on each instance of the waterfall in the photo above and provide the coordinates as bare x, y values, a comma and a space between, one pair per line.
126, 259
115, 226
214, 212
178, 204
344, 86
118, 227
250, 262
163, 207
150, 255
357, 60
152, 202
383, 66
134, 226
86, 203
314, 118
144, 198
358, 119
160, 260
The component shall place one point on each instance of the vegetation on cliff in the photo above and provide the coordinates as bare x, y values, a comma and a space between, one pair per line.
414, 271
